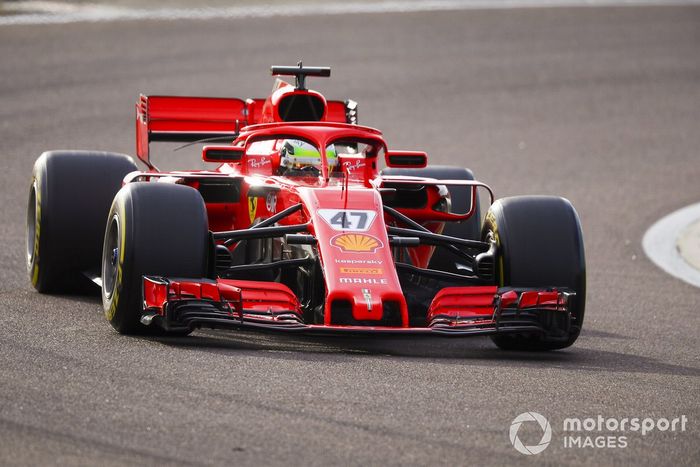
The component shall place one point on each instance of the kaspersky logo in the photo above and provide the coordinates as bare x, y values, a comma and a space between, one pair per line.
530, 417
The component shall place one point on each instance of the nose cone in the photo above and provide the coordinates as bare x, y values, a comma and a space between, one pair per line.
361, 282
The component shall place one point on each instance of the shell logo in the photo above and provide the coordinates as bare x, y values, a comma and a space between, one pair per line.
357, 243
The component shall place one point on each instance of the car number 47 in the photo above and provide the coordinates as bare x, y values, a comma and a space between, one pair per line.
348, 219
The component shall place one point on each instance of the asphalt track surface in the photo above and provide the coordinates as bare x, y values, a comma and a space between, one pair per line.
601, 106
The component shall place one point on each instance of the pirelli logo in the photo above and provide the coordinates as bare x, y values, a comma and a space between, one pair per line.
368, 271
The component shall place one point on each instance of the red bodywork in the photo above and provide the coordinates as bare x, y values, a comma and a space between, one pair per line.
358, 266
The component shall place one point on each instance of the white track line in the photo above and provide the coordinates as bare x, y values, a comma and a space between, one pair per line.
63, 13
660, 243
689, 245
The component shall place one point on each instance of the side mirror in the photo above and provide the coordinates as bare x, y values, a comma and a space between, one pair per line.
222, 154
406, 159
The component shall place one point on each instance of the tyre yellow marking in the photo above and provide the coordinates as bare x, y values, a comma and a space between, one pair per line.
491, 221
122, 240
109, 314
37, 231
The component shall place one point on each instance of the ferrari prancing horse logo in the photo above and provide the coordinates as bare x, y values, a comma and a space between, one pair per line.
252, 208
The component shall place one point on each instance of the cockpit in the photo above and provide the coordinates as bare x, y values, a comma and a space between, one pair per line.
299, 158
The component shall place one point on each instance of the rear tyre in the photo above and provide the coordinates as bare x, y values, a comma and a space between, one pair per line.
540, 244
460, 197
69, 198
157, 229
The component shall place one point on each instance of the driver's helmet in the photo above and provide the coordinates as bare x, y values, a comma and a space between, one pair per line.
296, 154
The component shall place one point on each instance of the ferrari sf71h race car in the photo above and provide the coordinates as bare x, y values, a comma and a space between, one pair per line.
308, 223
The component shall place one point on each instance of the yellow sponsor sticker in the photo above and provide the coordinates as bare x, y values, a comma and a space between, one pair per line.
368, 271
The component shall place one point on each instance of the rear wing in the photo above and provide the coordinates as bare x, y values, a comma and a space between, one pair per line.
189, 119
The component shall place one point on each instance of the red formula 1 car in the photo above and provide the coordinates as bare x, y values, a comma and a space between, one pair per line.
299, 229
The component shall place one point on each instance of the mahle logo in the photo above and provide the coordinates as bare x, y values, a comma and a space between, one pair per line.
546, 433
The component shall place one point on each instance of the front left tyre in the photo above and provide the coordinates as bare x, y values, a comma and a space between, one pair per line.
539, 245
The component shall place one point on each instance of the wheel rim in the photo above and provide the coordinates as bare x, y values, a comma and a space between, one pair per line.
31, 225
110, 257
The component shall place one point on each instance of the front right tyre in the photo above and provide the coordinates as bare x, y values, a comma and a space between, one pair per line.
156, 229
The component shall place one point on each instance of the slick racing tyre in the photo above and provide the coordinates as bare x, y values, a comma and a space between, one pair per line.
157, 229
69, 198
539, 244
460, 197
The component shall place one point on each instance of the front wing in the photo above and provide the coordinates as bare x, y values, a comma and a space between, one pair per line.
179, 304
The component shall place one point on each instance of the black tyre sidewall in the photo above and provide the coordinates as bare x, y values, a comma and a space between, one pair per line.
165, 233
